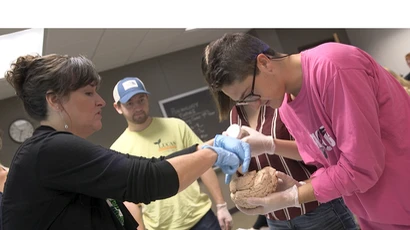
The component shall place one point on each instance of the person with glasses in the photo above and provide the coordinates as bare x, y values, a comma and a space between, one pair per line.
312, 215
337, 102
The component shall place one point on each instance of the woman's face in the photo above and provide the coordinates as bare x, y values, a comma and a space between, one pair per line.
83, 111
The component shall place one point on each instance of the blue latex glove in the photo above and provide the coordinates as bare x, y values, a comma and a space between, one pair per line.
240, 148
228, 178
227, 161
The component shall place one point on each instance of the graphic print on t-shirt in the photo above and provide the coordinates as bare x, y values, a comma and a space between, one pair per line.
162, 146
323, 140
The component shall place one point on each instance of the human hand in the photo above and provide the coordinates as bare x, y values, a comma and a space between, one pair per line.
227, 161
286, 195
285, 181
240, 148
258, 142
224, 217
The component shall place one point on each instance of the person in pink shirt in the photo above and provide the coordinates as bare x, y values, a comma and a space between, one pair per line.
348, 115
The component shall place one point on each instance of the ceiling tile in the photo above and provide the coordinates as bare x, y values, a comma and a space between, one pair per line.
151, 48
113, 39
64, 37
160, 34
72, 41
85, 48
9, 31
116, 58
197, 37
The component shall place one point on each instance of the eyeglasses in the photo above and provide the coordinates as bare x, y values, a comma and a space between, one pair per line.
252, 97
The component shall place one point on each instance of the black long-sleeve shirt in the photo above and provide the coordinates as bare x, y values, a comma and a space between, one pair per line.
57, 170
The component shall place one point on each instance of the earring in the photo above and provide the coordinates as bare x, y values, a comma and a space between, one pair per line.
65, 124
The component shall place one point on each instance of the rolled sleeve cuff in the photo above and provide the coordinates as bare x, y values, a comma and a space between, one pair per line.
324, 188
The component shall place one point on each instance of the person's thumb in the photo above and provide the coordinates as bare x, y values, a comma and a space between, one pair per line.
256, 201
247, 158
228, 178
283, 176
247, 129
251, 211
246, 139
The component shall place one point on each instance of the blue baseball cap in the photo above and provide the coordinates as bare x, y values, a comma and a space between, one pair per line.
127, 88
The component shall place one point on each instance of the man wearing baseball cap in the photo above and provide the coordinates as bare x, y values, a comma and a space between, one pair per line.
154, 137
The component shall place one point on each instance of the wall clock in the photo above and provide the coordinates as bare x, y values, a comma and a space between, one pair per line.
20, 130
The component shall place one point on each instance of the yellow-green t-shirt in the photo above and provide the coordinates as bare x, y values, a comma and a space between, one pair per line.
163, 137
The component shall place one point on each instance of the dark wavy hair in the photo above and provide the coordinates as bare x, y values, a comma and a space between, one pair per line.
33, 76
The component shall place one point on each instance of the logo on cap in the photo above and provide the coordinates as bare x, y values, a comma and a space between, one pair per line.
127, 88
130, 84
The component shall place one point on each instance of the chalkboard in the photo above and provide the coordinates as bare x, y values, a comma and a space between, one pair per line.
197, 108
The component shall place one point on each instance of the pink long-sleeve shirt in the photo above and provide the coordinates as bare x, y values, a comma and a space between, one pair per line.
351, 119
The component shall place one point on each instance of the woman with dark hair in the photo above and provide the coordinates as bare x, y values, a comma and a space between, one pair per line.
58, 180
337, 102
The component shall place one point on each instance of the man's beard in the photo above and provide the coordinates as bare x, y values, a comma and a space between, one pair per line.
140, 118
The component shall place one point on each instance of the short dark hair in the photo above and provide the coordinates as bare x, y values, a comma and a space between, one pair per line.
33, 76
230, 59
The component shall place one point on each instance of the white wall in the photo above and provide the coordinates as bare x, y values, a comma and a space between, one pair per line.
387, 46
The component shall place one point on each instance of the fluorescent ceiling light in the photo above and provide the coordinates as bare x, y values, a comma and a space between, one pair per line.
17, 44
187, 29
